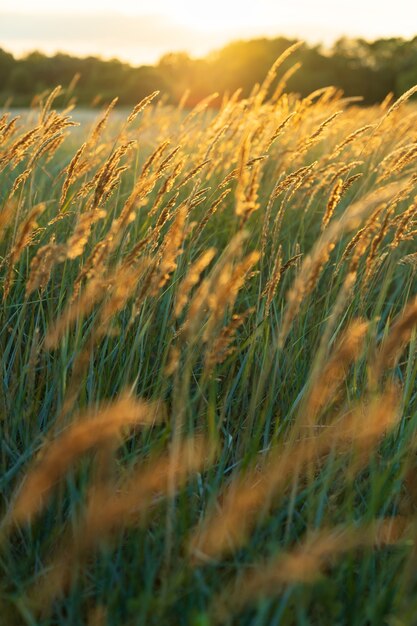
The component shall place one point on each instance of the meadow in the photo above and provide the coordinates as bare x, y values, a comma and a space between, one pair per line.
208, 405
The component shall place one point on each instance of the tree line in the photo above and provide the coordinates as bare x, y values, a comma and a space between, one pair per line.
370, 69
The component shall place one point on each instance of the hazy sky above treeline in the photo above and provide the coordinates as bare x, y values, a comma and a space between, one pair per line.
141, 32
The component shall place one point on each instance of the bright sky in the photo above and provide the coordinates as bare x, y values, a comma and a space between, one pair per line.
142, 31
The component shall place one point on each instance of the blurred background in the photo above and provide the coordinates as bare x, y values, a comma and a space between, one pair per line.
130, 48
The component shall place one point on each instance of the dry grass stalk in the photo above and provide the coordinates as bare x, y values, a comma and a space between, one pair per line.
200, 107
171, 249
107, 177
164, 216
273, 281
387, 101
148, 481
122, 286
269, 79
42, 265
227, 526
48, 146
173, 361
191, 279
410, 259
373, 259
361, 239
136, 199
334, 372
221, 347
147, 288
394, 343
156, 154
405, 96
95, 264
24, 238
6, 216
409, 156
349, 182
350, 138
313, 264
76, 310
396, 161
306, 563
318, 133
71, 172
101, 124
292, 178
140, 106
334, 200
55, 145
91, 429
267, 222
19, 180
340, 172
167, 186
48, 104
279, 130
244, 204
405, 221
199, 304
26, 232
304, 284
18, 150
192, 174
108, 512
8, 129
211, 211
278, 271
79, 239
164, 165
366, 425
225, 289
247, 194
389, 162
94, 267
282, 84
136, 252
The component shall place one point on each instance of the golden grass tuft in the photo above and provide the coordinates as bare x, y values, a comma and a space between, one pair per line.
91, 429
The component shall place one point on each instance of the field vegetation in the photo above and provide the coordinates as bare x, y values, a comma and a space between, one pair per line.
208, 357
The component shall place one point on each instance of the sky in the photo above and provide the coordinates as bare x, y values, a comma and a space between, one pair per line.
141, 32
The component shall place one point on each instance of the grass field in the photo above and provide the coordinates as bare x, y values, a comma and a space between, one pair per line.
208, 406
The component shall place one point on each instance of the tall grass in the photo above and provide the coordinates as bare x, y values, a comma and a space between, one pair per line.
208, 405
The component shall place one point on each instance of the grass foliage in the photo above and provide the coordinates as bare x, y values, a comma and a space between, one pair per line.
208, 404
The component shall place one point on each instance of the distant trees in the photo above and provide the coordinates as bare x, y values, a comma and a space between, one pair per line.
359, 67
7, 64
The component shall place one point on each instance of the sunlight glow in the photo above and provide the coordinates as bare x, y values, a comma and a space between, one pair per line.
216, 15
141, 31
